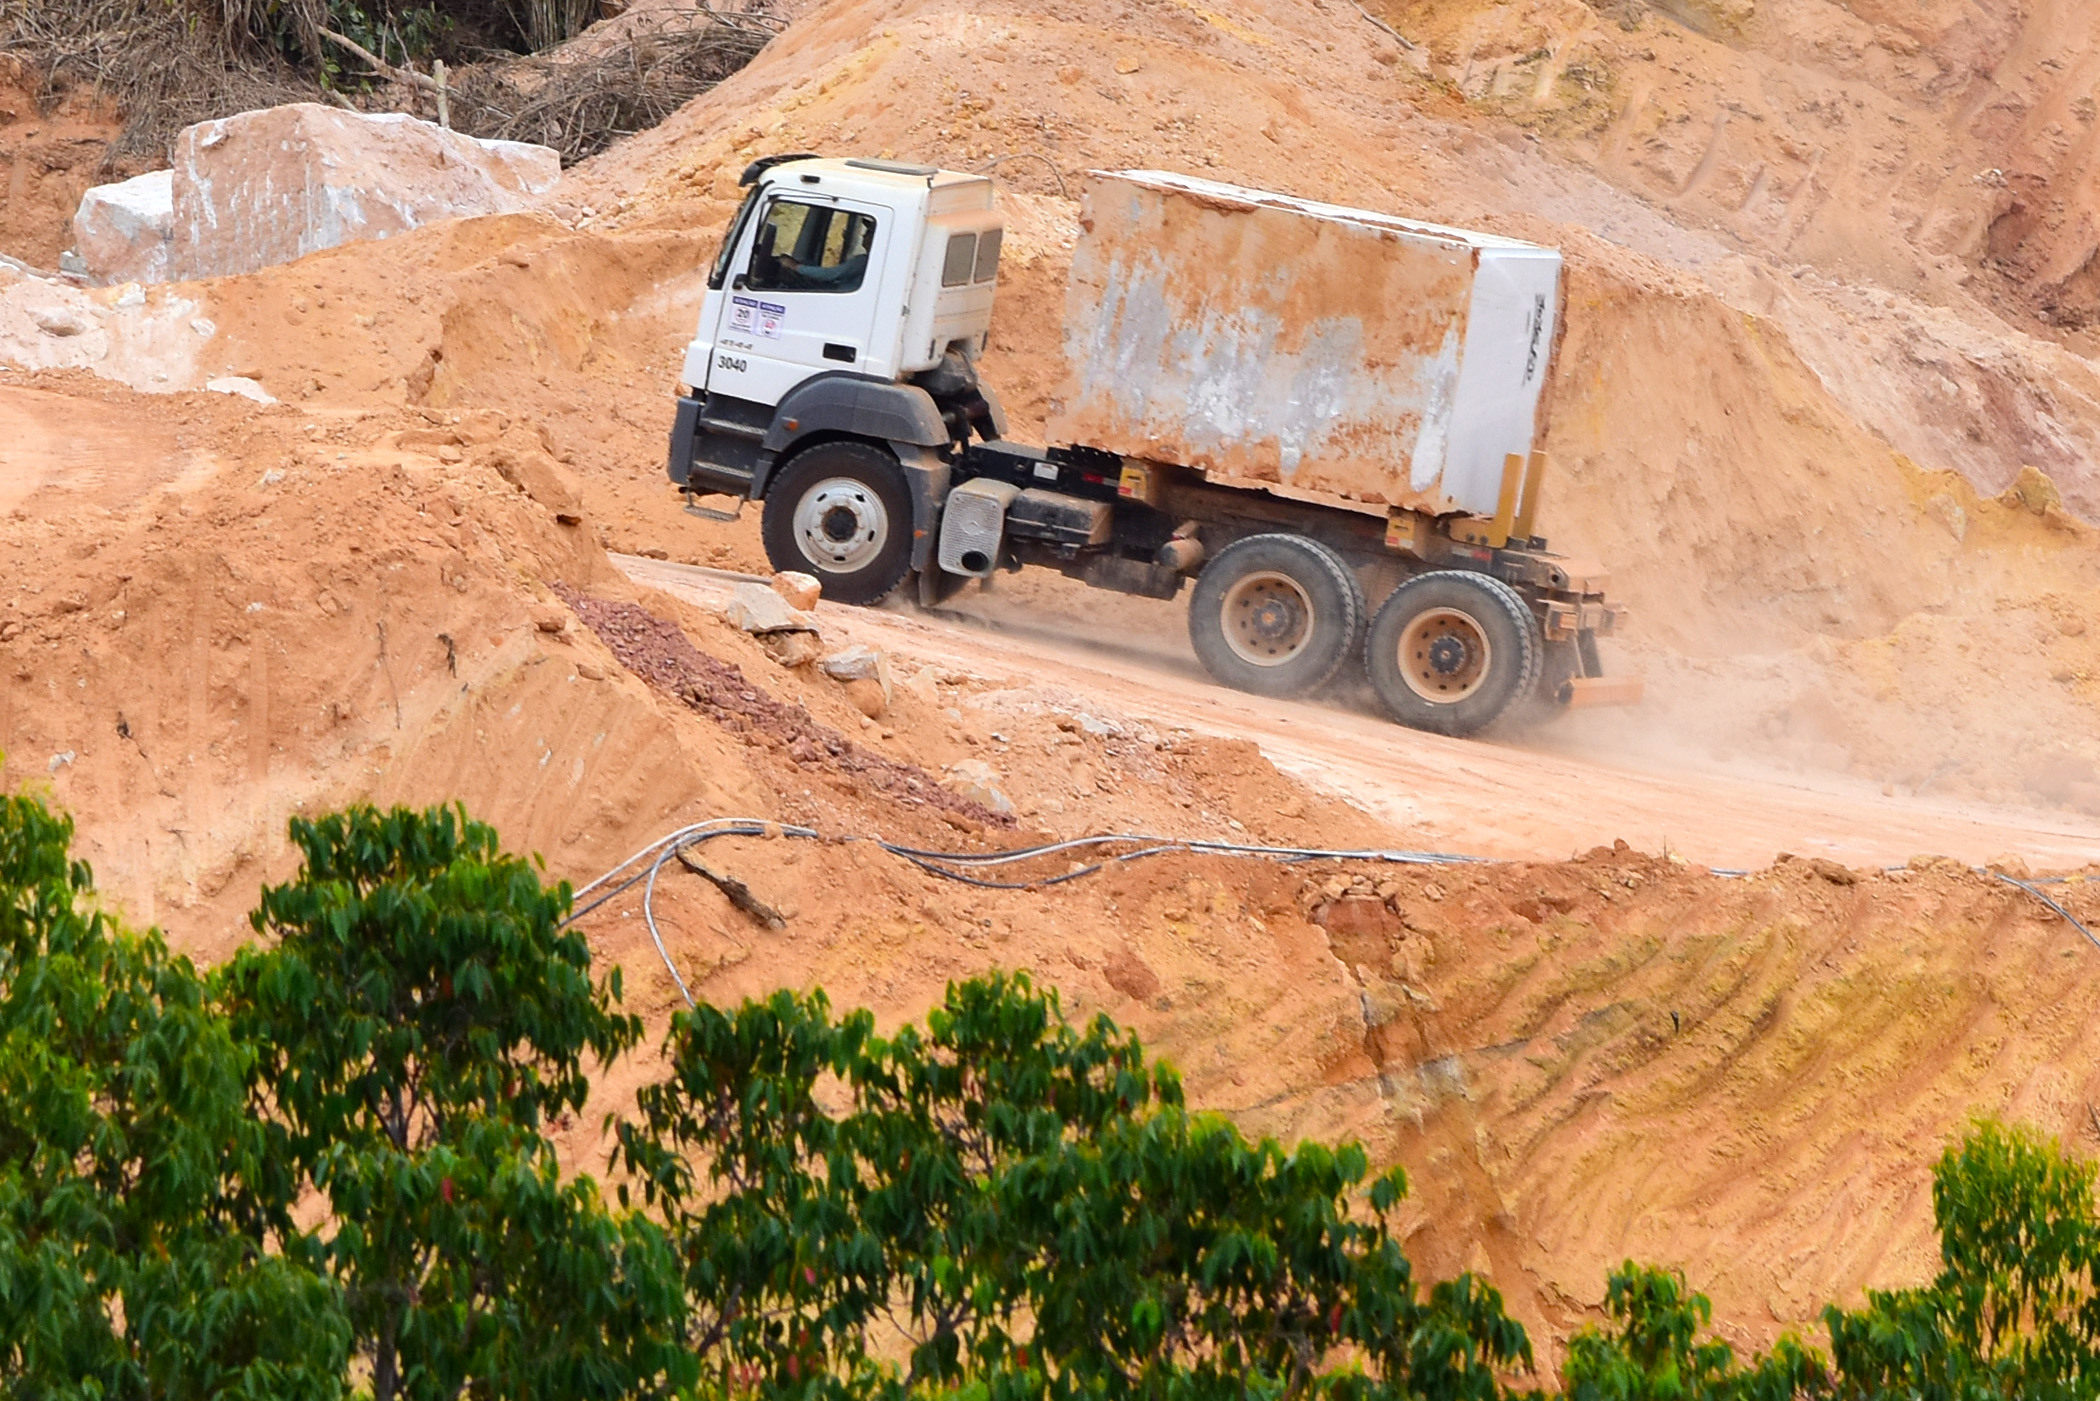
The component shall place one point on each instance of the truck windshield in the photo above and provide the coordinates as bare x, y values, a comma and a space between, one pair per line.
720, 272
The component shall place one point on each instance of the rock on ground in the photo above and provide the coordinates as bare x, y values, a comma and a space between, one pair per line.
799, 589
868, 697
977, 781
791, 647
755, 608
241, 385
270, 186
122, 231
860, 662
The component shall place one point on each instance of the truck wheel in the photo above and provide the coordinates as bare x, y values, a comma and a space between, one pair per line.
1275, 614
1450, 651
841, 512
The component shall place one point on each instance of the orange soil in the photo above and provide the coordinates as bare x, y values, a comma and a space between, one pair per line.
1803, 359
51, 154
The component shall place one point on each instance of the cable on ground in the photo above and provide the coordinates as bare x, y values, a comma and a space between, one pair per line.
643, 866
2032, 889
956, 866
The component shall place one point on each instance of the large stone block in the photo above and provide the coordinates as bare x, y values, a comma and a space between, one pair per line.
1280, 342
121, 231
269, 186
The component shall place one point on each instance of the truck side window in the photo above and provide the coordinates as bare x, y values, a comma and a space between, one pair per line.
988, 255
810, 248
958, 260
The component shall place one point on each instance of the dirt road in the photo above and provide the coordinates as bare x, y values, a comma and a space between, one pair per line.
1495, 797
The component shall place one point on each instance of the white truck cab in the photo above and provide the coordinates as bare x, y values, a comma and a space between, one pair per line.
845, 311
869, 267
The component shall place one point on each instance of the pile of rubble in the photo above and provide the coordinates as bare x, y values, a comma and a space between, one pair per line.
779, 616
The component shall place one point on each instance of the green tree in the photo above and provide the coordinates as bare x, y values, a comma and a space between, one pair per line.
125, 1153
1003, 1202
418, 1021
2015, 1310
330, 1161
1657, 1352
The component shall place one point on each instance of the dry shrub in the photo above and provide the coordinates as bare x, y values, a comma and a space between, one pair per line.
166, 64
162, 64
585, 95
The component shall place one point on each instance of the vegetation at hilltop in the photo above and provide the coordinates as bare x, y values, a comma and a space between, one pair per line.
165, 64
325, 1169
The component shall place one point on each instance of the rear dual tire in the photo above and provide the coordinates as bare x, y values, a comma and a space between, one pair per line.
1276, 615
1450, 652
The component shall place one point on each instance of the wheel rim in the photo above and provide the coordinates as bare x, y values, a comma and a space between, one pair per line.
1268, 618
1445, 656
841, 525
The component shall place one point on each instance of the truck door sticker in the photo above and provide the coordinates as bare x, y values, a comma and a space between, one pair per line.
770, 315
743, 314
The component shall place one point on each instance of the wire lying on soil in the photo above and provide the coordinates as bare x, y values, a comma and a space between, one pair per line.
941, 863
617, 881
2031, 888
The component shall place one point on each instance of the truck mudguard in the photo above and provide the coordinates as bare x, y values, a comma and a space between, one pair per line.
926, 472
866, 408
997, 409
682, 430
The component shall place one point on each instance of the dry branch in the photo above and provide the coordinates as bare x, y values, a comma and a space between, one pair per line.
381, 66
166, 64
738, 893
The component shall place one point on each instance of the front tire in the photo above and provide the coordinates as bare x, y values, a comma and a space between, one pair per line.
1276, 615
841, 511
1451, 651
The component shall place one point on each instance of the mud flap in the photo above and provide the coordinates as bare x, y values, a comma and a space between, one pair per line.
926, 474
1593, 690
683, 429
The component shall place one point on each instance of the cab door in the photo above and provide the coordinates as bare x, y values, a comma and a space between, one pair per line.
804, 300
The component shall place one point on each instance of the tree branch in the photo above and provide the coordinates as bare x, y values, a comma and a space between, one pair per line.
388, 70
1401, 39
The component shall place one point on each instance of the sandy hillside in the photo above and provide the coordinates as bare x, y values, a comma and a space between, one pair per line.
1786, 451
1829, 284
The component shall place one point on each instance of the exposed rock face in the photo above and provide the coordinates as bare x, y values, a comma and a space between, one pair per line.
269, 186
122, 231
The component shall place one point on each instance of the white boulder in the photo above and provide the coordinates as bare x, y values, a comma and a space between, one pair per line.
122, 231
242, 386
265, 187
756, 609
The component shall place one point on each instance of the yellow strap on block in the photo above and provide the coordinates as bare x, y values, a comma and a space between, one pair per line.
1506, 504
1408, 532
1138, 484
1528, 505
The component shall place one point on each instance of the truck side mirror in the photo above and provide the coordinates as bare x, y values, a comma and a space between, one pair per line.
739, 282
